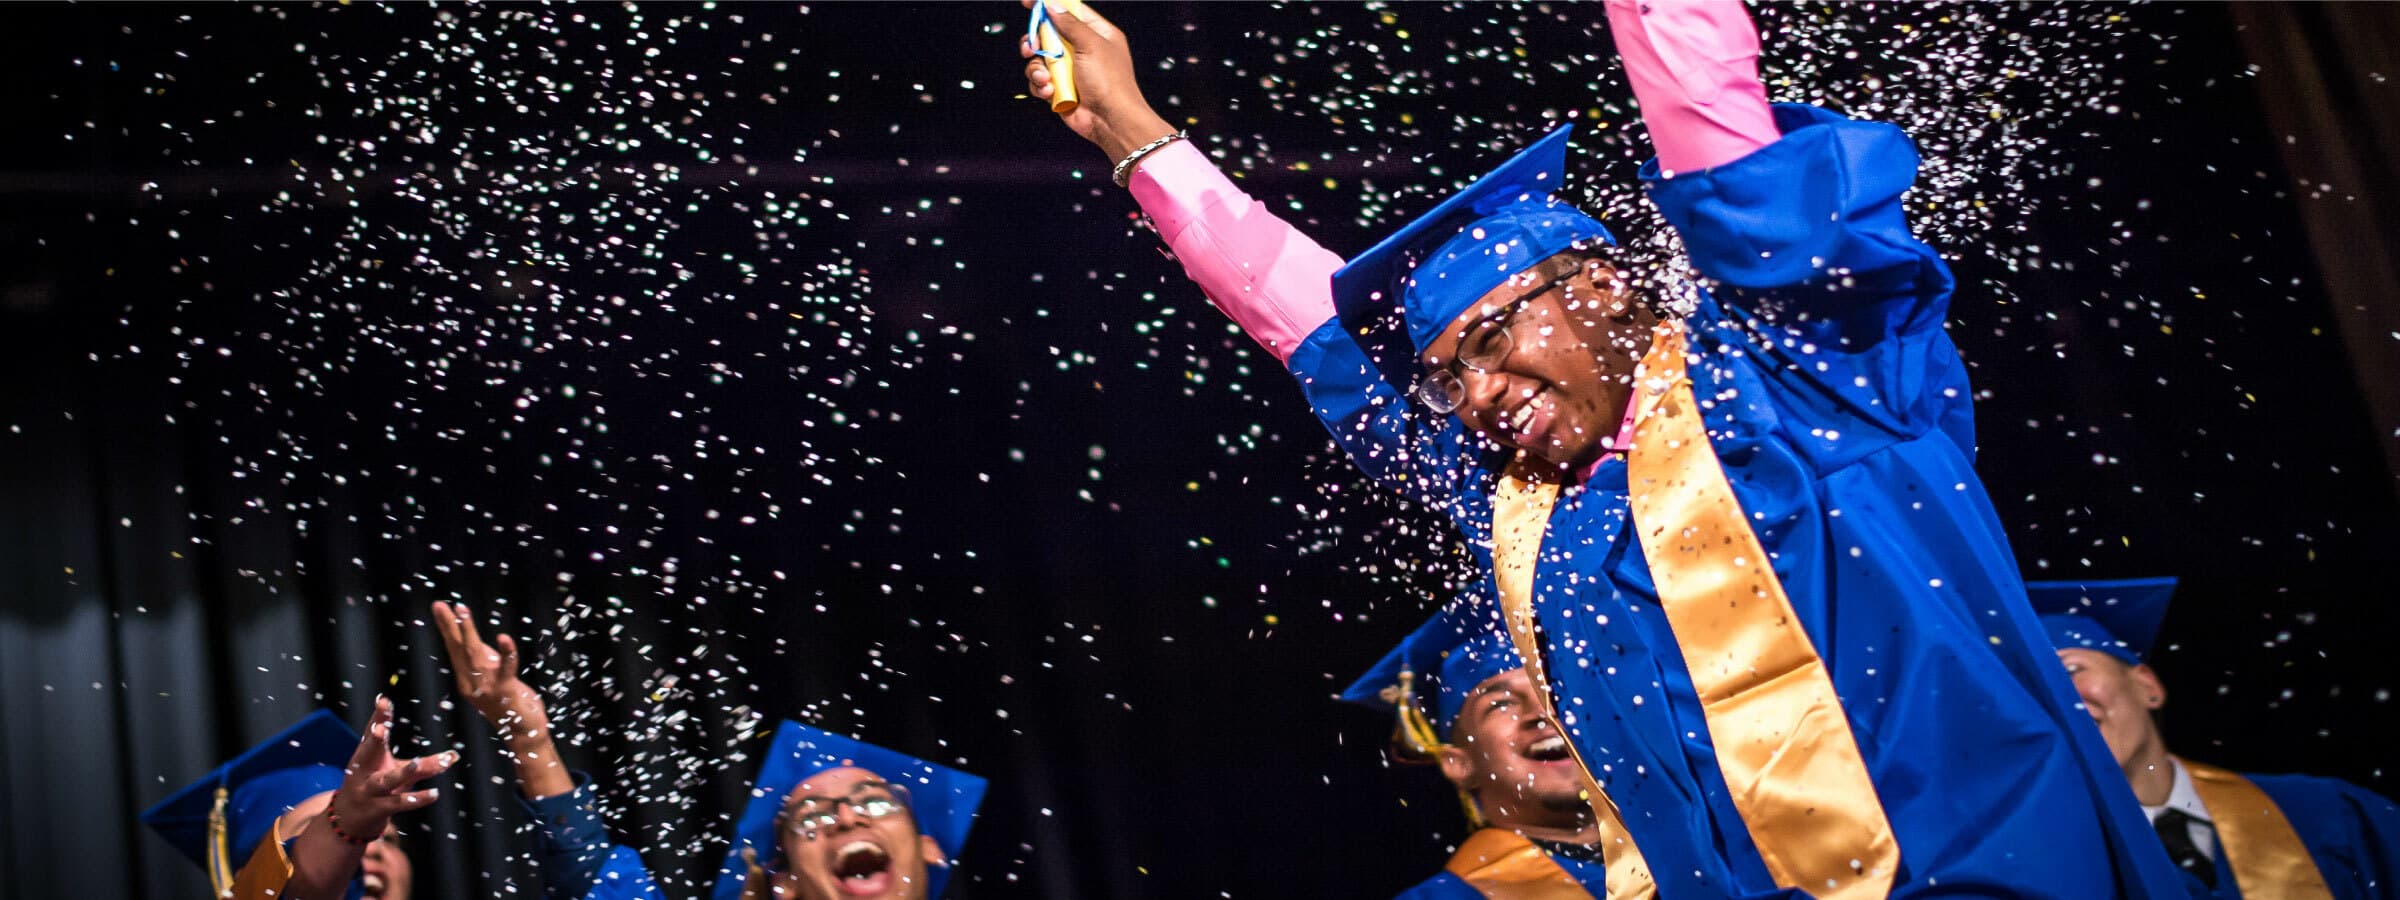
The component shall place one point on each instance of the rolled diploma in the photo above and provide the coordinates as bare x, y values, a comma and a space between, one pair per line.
1062, 69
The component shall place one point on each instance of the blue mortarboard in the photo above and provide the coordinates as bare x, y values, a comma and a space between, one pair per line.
1461, 646
942, 799
1439, 265
2119, 618
260, 784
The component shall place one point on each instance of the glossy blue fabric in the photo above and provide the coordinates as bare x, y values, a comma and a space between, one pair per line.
943, 800
1462, 645
1446, 886
303, 760
2351, 833
1437, 265
1842, 415
572, 851
2120, 618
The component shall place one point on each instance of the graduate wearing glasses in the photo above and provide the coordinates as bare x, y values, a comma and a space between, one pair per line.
1734, 528
829, 816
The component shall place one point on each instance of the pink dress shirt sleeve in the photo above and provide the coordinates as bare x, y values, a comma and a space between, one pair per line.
1271, 279
1694, 68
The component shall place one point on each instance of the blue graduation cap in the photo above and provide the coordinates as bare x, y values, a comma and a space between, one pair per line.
1461, 646
1437, 266
942, 799
2119, 618
1444, 659
250, 792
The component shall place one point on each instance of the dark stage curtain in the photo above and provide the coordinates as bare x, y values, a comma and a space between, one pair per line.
2324, 74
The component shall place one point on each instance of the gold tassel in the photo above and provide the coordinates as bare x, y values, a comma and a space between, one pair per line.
220, 857
1415, 740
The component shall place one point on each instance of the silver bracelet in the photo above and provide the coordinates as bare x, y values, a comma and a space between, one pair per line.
1124, 171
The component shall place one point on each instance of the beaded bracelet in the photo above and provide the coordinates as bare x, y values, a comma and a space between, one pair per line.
336, 821
1123, 175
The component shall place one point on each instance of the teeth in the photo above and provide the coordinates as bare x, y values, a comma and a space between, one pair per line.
1552, 744
372, 884
855, 848
1523, 417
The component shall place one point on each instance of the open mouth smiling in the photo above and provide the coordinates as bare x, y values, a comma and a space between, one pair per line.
862, 868
1549, 749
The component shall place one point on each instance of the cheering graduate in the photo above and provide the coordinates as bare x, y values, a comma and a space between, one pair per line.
829, 817
2255, 836
1535, 828
1736, 535
307, 813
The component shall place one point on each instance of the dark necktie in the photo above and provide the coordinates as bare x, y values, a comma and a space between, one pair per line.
2175, 830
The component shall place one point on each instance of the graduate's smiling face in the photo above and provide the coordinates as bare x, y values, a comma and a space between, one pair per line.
847, 833
2120, 698
384, 872
1544, 362
1512, 760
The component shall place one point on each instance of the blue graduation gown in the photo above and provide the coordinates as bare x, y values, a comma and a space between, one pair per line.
1447, 885
575, 856
2352, 834
1444, 886
1842, 415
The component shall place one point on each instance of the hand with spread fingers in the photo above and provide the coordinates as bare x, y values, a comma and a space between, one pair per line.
487, 678
330, 840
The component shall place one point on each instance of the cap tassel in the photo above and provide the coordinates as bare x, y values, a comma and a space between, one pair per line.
1415, 740
220, 857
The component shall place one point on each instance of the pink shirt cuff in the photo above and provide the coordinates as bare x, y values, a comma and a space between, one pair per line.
1272, 280
1694, 68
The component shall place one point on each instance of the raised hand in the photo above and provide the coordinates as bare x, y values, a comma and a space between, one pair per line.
1112, 113
487, 678
327, 846
377, 785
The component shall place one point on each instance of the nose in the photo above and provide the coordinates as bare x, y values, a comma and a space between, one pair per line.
847, 816
1484, 392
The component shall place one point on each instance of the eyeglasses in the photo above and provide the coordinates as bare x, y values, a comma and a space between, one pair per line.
1483, 348
1486, 345
869, 800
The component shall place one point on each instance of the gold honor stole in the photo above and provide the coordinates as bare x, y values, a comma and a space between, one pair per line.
2265, 854
1503, 865
1520, 512
1791, 766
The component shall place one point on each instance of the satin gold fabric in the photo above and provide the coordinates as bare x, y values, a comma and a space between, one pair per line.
1520, 513
1503, 865
220, 868
1791, 765
2265, 854
263, 877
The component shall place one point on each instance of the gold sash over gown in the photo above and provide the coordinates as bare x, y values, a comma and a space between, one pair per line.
2265, 854
263, 877
1791, 765
1504, 865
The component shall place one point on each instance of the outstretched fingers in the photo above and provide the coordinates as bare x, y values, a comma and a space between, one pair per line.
374, 748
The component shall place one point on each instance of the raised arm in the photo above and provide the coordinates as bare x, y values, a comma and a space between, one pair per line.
1694, 68
1272, 280
571, 845
1796, 200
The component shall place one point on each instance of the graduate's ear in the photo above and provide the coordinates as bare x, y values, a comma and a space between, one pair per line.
930, 851
2154, 692
1456, 766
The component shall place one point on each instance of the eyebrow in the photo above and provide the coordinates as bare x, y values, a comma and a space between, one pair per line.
1520, 300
